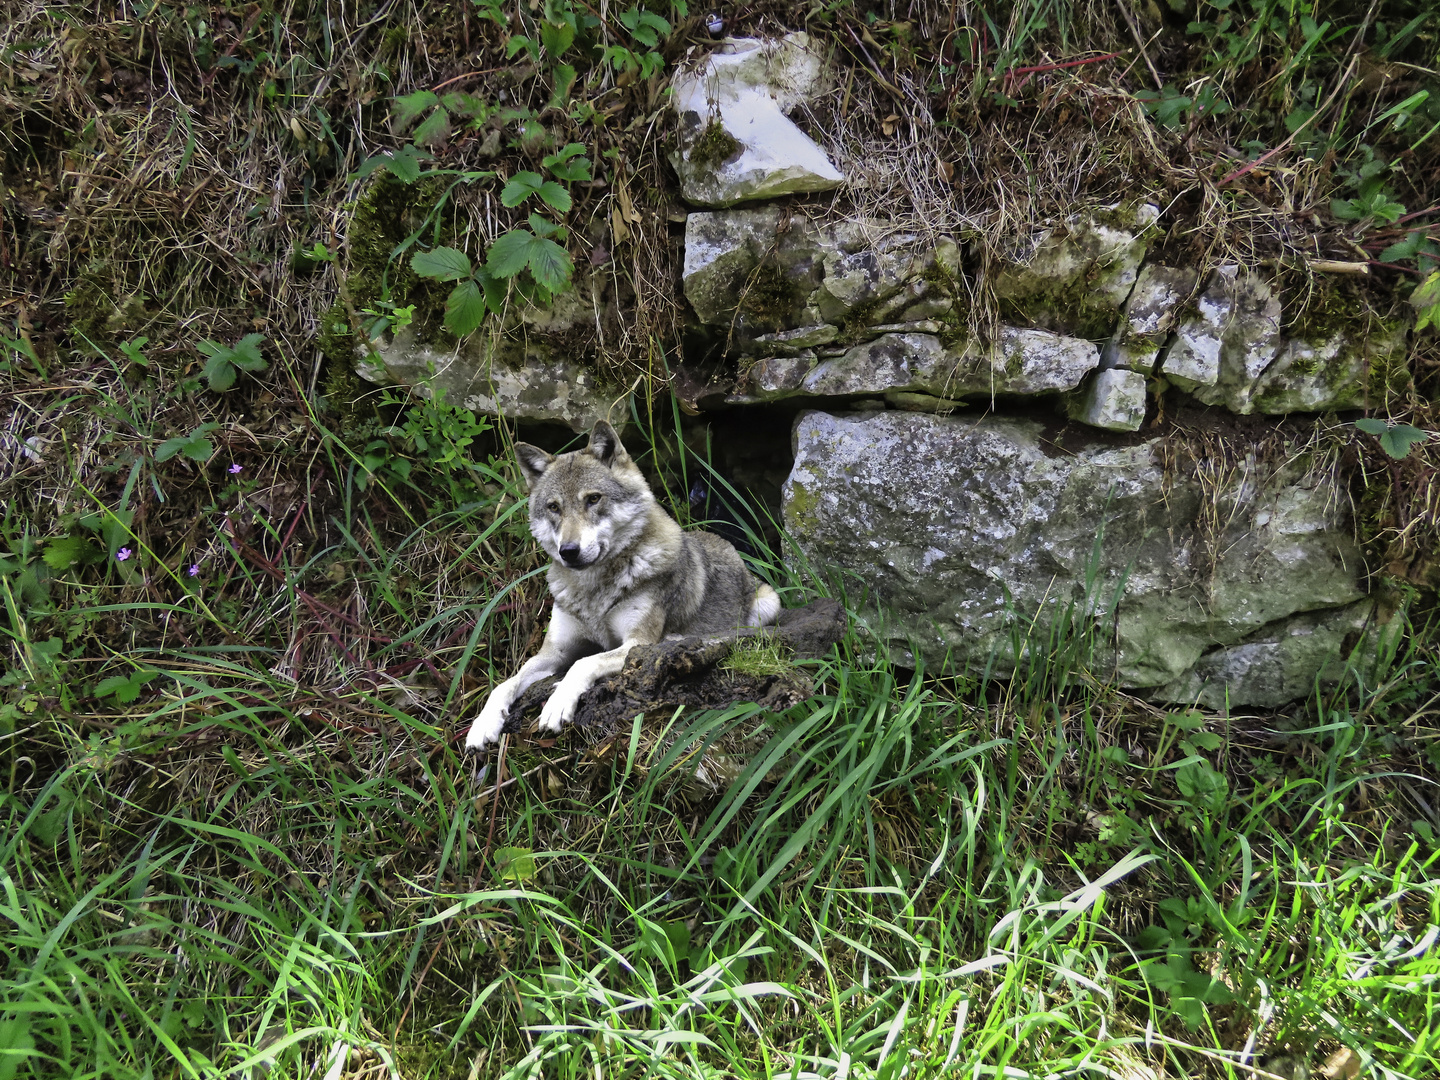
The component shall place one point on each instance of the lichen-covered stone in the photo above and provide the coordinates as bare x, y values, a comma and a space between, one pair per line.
1149, 317
1020, 362
522, 381
1074, 278
1113, 399
1278, 664
736, 142
968, 531
1223, 346
762, 273
1327, 373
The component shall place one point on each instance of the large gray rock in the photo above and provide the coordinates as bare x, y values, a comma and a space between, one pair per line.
1075, 277
1224, 345
967, 531
517, 379
736, 142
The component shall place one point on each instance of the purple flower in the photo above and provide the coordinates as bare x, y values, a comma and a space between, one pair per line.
194, 569
234, 469
122, 554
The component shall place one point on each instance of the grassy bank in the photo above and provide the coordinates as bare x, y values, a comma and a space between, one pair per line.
244, 861
249, 602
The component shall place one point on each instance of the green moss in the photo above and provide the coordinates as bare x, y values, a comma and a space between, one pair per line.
714, 147
770, 296
757, 657
800, 508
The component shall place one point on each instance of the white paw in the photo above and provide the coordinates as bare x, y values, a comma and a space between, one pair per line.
486, 729
560, 709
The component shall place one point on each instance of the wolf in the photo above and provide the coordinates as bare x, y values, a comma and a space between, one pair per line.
622, 574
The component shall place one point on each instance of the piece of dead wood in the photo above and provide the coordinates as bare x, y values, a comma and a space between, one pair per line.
691, 671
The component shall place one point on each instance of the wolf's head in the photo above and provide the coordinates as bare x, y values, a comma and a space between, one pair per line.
588, 503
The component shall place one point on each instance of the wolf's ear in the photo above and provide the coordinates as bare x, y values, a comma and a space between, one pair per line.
533, 462
605, 444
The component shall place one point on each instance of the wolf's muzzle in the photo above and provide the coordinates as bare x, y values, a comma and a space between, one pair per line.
570, 555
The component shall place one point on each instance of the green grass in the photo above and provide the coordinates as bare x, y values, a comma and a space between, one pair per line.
237, 874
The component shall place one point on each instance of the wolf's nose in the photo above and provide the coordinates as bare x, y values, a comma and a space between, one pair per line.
570, 554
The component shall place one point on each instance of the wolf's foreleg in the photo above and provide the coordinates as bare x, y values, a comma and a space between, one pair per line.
640, 623
565, 642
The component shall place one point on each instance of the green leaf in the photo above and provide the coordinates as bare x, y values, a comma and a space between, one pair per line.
555, 195
442, 264
556, 38
1425, 299
518, 42
521, 186
495, 290
564, 75
435, 130
404, 165
1205, 740
1400, 439
510, 253
246, 353
1202, 786
515, 864
409, 107
465, 308
1372, 426
541, 227
66, 551
220, 373
550, 264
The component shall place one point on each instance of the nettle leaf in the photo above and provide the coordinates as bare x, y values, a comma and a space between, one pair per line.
555, 195
435, 130
409, 108
521, 186
442, 264
465, 308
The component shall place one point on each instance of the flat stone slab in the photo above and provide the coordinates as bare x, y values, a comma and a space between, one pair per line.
737, 144
520, 380
690, 672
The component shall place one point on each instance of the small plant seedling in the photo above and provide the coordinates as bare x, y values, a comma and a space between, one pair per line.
225, 362
124, 688
194, 446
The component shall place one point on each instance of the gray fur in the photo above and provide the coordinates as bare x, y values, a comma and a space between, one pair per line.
623, 574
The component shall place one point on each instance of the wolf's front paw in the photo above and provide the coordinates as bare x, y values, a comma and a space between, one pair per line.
486, 729
559, 710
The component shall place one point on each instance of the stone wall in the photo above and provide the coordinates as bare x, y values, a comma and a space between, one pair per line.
926, 467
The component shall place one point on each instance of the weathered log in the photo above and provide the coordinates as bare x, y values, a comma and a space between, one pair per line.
692, 671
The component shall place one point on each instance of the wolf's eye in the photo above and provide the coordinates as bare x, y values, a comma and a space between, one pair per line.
553, 506
592, 499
